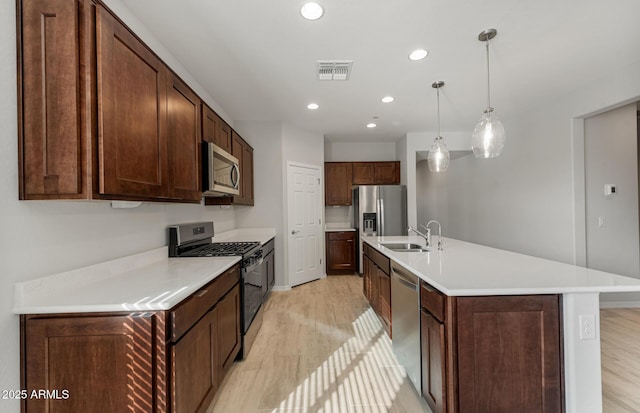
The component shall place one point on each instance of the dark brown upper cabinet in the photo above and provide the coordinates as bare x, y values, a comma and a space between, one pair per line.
337, 182
376, 173
339, 177
183, 126
214, 129
100, 115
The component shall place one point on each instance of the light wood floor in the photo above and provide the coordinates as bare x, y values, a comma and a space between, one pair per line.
322, 349
620, 338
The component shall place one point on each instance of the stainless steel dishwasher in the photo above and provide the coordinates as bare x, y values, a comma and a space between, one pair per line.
405, 321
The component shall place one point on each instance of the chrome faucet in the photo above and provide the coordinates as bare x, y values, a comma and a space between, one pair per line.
433, 221
427, 236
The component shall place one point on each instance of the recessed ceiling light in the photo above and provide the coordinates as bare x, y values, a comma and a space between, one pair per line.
387, 99
371, 125
312, 106
311, 11
418, 54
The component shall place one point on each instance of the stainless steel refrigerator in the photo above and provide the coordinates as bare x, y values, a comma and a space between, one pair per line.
379, 210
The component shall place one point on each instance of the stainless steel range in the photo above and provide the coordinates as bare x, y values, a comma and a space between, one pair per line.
194, 240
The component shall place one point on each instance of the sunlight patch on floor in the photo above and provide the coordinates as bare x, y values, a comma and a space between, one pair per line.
362, 372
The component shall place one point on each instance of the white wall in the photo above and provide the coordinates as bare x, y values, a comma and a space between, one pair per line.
524, 200
359, 151
266, 140
611, 157
45, 237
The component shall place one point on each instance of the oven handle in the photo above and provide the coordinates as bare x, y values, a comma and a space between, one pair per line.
254, 265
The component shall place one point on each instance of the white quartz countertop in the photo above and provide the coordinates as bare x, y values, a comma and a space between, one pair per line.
465, 269
338, 227
149, 281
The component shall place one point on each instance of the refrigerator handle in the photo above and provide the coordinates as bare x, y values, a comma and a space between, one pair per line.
381, 217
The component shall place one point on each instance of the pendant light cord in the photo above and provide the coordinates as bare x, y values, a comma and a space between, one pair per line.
438, 94
488, 79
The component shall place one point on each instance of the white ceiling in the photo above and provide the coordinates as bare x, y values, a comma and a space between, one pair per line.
257, 58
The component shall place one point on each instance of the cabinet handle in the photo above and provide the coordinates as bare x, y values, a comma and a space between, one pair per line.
200, 293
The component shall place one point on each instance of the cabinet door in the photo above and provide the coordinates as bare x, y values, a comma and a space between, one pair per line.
214, 129
432, 343
223, 135
509, 354
194, 364
386, 173
341, 252
247, 174
183, 135
364, 173
337, 181
366, 278
132, 104
105, 363
228, 329
385, 299
50, 144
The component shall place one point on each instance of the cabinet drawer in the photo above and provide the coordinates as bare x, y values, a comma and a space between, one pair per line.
341, 236
381, 260
432, 300
189, 311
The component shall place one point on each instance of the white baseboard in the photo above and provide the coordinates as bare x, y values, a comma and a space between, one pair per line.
281, 288
619, 304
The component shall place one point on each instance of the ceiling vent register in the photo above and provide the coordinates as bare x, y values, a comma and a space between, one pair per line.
333, 69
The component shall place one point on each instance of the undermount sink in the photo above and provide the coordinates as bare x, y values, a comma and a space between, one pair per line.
406, 247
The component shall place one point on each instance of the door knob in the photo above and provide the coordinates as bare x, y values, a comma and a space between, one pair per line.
294, 232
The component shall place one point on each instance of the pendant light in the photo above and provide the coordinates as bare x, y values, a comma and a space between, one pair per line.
487, 140
438, 157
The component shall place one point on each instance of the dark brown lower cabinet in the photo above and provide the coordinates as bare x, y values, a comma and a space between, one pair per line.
341, 252
195, 372
111, 363
377, 285
509, 354
494, 354
434, 384
160, 362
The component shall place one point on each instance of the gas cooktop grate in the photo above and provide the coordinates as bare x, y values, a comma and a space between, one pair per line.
218, 249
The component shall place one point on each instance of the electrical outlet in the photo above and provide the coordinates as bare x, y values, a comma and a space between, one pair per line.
587, 327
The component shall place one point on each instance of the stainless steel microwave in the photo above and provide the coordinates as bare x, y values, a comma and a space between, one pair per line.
220, 171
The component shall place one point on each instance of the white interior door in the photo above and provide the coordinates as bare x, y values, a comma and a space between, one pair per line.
304, 223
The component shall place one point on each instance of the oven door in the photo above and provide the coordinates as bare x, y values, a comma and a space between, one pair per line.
220, 171
252, 284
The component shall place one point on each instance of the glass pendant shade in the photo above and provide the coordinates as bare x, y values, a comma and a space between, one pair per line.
487, 140
488, 137
438, 156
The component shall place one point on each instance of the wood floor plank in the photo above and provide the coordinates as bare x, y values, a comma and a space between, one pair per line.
620, 347
321, 348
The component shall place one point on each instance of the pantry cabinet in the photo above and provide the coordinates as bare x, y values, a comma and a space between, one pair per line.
100, 115
162, 361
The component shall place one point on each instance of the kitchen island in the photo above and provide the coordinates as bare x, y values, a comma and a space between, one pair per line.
465, 271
